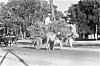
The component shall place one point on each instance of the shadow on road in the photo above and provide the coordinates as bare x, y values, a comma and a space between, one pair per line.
97, 46
35, 48
39, 48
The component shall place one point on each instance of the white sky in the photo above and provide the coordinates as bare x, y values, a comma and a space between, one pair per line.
4, 1
62, 4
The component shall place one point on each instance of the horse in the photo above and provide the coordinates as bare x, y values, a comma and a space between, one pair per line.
58, 41
70, 38
52, 39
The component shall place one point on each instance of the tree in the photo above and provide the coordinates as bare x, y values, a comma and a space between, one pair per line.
58, 14
20, 14
86, 14
23, 13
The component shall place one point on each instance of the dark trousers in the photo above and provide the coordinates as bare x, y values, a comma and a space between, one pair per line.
51, 44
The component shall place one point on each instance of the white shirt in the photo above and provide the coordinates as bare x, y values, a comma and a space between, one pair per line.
47, 21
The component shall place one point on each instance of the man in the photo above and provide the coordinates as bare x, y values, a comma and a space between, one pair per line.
48, 19
58, 35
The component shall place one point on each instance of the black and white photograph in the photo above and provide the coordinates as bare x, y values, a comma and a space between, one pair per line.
49, 32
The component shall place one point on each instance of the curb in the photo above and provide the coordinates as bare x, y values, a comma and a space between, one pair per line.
80, 49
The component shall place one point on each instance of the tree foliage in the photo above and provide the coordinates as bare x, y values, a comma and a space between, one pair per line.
23, 13
20, 14
86, 14
59, 26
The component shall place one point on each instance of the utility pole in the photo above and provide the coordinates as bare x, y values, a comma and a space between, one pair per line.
52, 10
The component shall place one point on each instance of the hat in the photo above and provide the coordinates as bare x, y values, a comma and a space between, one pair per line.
49, 14
58, 33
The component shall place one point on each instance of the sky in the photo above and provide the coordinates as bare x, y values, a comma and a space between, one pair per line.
4, 1
62, 4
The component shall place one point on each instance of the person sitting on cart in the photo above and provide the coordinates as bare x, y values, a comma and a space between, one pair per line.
48, 19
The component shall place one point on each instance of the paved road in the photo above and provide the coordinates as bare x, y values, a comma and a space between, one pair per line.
42, 57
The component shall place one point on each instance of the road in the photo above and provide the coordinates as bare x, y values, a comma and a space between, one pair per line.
33, 57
